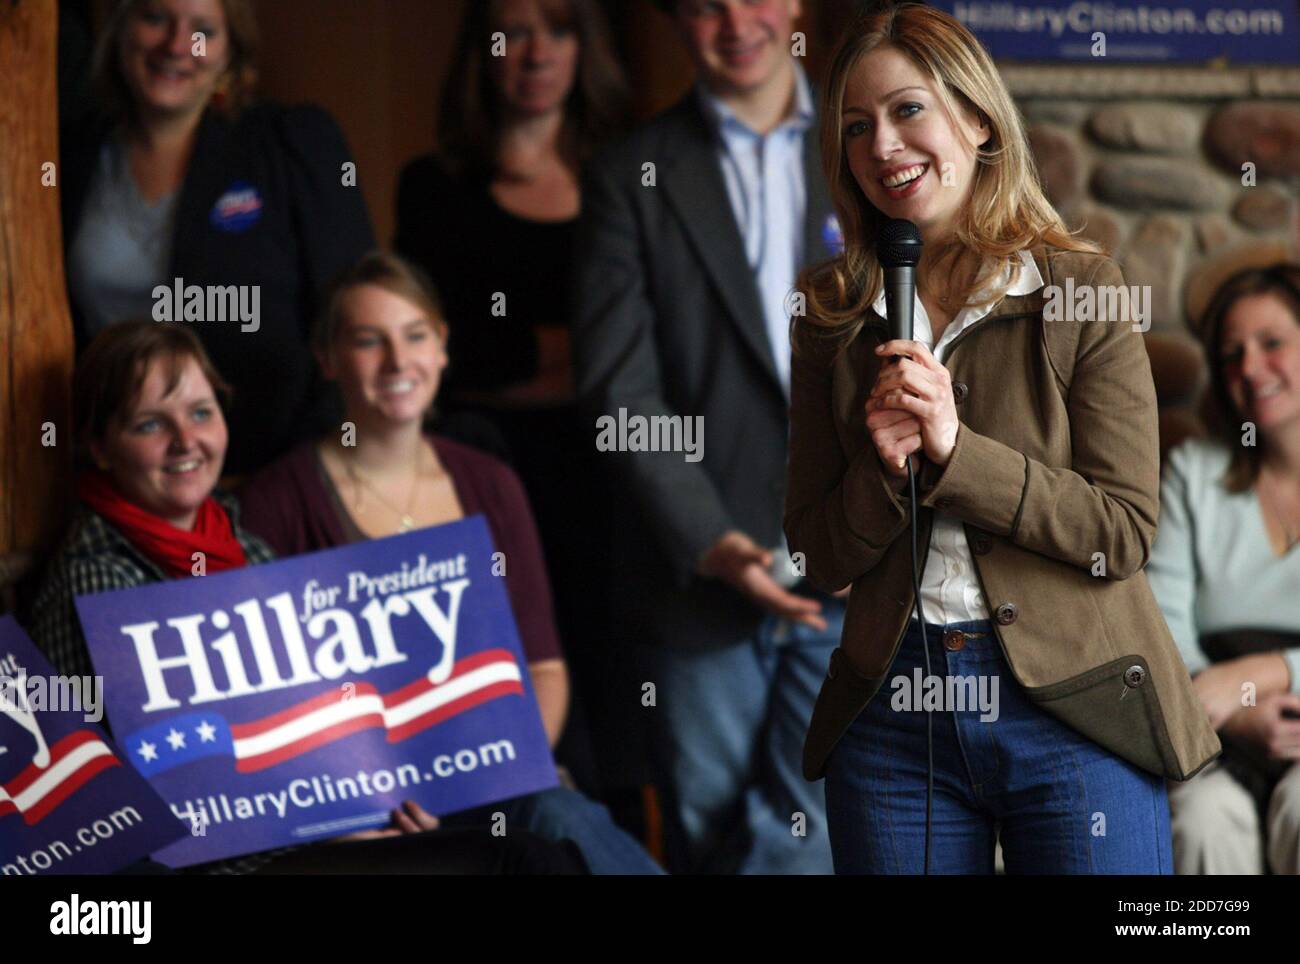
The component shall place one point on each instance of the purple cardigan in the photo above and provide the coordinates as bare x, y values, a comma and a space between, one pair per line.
287, 504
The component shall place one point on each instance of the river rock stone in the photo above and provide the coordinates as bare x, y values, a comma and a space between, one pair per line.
1155, 128
1262, 133
1263, 208
1096, 223
1214, 231
1144, 182
1155, 257
1060, 166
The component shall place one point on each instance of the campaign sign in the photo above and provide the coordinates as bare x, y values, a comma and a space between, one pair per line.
67, 804
1103, 32
307, 698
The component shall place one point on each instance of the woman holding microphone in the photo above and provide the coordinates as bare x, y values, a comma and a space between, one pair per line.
1058, 700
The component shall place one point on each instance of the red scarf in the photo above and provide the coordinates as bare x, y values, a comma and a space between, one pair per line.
170, 548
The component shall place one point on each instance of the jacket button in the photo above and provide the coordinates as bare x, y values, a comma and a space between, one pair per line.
959, 392
830, 670
1134, 676
981, 544
1007, 613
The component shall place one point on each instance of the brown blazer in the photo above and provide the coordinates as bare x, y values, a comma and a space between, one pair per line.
1056, 459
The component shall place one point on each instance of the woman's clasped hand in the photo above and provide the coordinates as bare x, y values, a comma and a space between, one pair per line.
911, 406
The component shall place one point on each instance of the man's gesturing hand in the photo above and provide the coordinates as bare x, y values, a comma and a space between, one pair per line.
743, 564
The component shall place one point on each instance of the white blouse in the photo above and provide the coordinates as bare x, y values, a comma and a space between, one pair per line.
950, 589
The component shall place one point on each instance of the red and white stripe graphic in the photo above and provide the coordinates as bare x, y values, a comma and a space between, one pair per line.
74, 760
402, 713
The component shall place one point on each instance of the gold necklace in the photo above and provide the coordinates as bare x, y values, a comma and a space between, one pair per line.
407, 521
1289, 536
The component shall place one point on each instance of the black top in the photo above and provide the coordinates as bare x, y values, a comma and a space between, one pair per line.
473, 248
265, 203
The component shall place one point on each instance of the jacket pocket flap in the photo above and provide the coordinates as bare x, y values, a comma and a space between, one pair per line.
843, 695
1115, 705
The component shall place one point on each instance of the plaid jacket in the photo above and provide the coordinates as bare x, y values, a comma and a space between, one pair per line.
96, 558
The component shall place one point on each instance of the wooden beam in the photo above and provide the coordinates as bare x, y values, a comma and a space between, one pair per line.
36, 346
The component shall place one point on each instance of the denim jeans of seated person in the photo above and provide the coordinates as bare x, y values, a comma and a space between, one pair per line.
465, 845
562, 814
445, 851
1060, 803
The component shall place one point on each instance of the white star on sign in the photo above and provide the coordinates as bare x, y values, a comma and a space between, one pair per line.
176, 739
148, 751
207, 732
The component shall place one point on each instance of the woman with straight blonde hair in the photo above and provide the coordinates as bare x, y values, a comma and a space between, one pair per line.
382, 338
1032, 691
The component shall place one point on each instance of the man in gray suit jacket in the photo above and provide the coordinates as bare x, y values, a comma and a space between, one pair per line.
693, 231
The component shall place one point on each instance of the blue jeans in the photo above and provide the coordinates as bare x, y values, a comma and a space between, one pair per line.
563, 814
727, 739
1060, 803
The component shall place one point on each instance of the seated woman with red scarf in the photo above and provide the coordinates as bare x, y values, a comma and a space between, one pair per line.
152, 438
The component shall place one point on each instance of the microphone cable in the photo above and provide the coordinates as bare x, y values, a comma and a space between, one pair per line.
925, 647
898, 250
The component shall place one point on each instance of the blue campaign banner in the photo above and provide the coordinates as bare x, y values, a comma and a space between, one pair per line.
307, 698
1180, 31
68, 805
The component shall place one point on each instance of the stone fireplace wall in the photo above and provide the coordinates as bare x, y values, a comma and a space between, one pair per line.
1149, 162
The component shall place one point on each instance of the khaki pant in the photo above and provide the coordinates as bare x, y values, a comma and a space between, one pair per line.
1216, 826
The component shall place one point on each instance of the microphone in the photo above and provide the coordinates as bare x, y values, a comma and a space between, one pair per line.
898, 249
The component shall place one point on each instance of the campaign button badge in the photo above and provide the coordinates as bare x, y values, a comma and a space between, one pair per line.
832, 235
238, 209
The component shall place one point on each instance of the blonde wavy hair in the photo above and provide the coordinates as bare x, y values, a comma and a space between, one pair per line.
1006, 211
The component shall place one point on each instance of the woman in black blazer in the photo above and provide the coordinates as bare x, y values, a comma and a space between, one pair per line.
180, 184
492, 219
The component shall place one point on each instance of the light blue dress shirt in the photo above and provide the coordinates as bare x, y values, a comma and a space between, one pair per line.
764, 174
